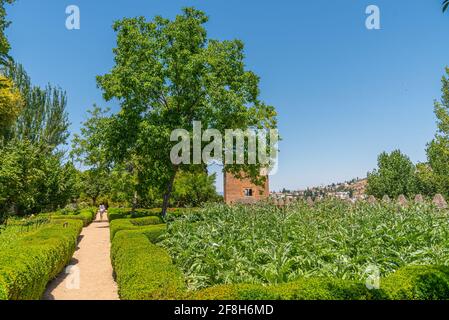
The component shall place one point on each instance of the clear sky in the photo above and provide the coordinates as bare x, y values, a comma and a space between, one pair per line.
343, 93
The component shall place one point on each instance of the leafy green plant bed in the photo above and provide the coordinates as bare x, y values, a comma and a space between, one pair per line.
262, 252
266, 245
28, 262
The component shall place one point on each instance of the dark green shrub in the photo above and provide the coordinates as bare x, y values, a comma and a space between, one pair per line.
304, 289
133, 224
417, 283
147, 221
143, 270
28, 264
123, 213
153, 233
85, 215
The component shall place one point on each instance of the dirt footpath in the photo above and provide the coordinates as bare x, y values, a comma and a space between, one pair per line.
89, 275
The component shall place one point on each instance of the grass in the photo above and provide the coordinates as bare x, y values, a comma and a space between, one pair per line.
269, 246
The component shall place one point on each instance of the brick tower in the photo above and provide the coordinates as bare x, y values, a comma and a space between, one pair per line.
243, 191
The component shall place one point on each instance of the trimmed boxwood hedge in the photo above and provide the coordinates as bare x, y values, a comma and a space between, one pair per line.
143, 270
28, 264
122, 213
133, 224
85, 215
304, 289
417, 283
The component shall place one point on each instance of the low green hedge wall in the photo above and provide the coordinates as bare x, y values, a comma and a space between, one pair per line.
153, 233
85, 215
133, 224
417, 283
304, 289
121, 213
143, 270
28, 264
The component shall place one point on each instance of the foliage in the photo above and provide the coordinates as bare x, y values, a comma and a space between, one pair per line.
192, 189
134, 224
85, 215
33, 181
426, 184
4, 44
395, 176
438, 148
11, 104
167, 74
94, 184
445, 5
122, 185
88, 148
33, 175
304, 289
43, 120
418, 283
125, 213
265, 245
143, 270
30, 262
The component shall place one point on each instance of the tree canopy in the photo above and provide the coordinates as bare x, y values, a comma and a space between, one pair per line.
167, 75
4, 23
438, 148
44, 119
11, 104
394, 176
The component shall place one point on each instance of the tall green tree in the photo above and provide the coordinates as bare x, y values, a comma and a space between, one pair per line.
44, 119
191, 189
438, 148
167, 75
394, 176
11, 104
426, 183
89, 150
4, 23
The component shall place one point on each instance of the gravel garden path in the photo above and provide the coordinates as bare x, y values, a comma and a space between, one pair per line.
89, 275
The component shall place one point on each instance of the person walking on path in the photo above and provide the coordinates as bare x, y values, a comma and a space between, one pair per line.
102, 211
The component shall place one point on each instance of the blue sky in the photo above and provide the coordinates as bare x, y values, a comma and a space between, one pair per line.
343, 93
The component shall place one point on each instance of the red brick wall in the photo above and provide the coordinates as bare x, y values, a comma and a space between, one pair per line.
234, 189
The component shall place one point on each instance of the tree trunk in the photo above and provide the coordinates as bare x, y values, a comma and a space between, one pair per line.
168, 193
134, 208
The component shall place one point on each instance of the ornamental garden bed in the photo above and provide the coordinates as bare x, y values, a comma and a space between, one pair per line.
329, 251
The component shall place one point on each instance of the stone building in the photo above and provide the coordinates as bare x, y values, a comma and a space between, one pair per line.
243, 191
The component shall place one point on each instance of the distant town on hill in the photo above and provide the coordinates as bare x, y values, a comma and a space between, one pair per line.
349, 190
